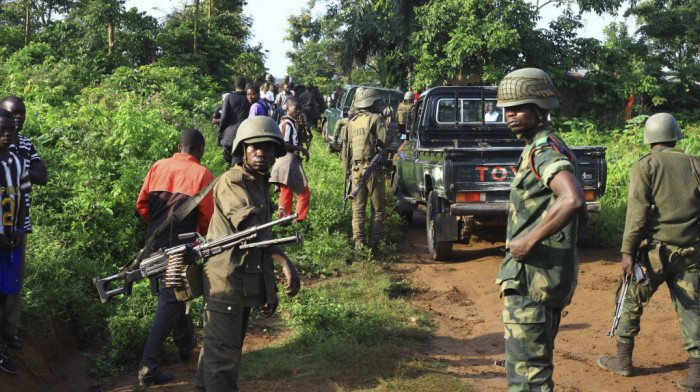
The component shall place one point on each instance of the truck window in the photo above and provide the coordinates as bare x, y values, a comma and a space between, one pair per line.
492, 113
446, 110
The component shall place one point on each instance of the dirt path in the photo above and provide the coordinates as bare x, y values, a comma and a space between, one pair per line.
464, 299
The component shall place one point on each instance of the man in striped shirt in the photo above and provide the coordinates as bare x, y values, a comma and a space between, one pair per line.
23, 148
14, 182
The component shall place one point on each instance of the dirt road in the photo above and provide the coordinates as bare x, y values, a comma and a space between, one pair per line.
465, 301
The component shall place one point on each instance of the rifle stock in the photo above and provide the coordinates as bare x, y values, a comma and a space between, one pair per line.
155, 266
368, 172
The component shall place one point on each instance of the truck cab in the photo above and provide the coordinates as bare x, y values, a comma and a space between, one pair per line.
459, 161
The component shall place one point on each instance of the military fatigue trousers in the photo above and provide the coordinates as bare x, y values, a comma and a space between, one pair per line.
220, 358
683, 280
375, 191
530, 329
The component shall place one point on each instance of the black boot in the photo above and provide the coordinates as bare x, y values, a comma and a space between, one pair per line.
692, 382
620, 363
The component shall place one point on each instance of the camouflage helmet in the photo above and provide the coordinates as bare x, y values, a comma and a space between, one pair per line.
661, 128
269, 78
408, 96
258, 129
366, 97
527, 85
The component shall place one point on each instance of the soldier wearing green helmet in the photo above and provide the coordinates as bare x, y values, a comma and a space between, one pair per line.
236, 280
364, 135
663, 208
403, 111
547, 210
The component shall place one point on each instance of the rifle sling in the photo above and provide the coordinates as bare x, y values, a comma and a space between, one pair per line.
179, 214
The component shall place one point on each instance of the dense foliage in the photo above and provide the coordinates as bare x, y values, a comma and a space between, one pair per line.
435, 42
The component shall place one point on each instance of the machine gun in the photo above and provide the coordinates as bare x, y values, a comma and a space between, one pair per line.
348, 188
381, 155
172, 262
642, 279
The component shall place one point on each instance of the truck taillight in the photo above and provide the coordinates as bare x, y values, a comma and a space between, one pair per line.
590, 195
469, 197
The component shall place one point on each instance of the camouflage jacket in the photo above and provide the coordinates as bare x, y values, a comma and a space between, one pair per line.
402, 113
548, 276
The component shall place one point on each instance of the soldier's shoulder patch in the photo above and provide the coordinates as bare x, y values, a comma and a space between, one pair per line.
543, 141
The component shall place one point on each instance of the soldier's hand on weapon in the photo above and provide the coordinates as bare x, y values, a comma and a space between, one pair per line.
268, 310
520, 248
293, 283
627, 264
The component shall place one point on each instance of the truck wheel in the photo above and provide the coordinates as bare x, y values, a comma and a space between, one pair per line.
439, 250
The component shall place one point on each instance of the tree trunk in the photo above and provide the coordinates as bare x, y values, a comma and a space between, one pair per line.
110, 36
209, 18
196, 15
27, 22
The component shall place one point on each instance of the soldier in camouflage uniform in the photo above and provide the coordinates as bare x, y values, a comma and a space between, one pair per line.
404, 110
365, 133
236, 280
668, 179
547, 209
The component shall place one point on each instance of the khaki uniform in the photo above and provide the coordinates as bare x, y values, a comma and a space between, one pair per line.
537, 288
234, 280
665, 178
402, 114
360, 140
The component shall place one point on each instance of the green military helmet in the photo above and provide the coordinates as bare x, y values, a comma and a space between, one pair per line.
269, 78
258, 129
661, 128
366, 97
527, 85
408, 96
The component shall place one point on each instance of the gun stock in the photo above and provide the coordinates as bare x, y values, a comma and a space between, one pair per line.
368, 172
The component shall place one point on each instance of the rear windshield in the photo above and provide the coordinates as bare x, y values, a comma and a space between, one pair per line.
468, 110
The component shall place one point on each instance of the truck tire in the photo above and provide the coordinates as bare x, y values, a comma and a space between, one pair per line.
439, 250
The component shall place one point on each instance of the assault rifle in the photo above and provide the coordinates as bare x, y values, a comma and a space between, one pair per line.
348, 188
640, 276
171, 261
381, 155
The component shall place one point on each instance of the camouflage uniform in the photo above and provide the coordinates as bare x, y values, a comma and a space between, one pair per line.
665, 178
537, 288
402, 113
363, 134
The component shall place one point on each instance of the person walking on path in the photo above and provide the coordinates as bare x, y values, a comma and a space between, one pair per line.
170, 183
236, 280
288, 171
234, 110
365, 134
663, 208
258, 106
547, 210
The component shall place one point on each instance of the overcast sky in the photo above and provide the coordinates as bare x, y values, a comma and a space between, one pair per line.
270, 24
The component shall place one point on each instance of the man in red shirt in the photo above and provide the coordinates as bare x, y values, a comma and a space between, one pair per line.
169, 183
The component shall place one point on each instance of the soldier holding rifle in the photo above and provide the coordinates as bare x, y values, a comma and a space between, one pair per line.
667, 179
538, 275
365, 135
236, 280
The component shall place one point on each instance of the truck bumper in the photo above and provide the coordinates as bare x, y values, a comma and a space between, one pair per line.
462, 209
